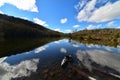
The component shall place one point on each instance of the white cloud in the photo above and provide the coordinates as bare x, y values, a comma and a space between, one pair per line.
110, 23
57, 29
91, 5
68, 31
76, 26
41, 22
104, 13
25, 68
86, 12
102, 1
80, 4
25, 18
90, 27
1, 2
64, 20
28, 5
1, 12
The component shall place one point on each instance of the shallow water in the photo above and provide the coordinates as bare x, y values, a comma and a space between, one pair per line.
89, 62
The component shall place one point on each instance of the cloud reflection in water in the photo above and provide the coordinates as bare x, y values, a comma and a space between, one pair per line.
63, 50
40, 49
25, 68
100, 57
2, 59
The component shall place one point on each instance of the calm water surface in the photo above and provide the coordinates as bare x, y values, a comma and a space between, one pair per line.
89, 62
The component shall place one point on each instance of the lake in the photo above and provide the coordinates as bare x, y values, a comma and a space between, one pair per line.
46, 59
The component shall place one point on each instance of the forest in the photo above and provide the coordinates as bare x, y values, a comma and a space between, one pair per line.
11, 27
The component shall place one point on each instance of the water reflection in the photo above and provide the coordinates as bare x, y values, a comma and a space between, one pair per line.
24, 68
103, 58
63, 50
13, 46
89, 62
40, 49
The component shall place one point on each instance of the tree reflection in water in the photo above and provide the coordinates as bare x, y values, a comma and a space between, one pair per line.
89, 62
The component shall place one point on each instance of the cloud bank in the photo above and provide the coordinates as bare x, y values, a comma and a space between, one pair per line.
27, 5
91, 13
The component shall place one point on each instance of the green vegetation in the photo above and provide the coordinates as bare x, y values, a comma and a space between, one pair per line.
98, 36
11, 27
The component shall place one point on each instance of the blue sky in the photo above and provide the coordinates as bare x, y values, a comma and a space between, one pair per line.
65, 15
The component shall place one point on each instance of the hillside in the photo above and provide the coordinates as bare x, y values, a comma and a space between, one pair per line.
11, 27
102, 36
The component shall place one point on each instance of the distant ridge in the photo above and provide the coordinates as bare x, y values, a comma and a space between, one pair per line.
107, 34
11, 27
